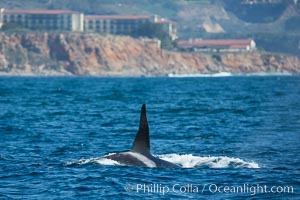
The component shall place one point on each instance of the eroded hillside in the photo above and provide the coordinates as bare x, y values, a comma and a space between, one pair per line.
97, 55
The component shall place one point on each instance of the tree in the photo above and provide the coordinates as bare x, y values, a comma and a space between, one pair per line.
152, 30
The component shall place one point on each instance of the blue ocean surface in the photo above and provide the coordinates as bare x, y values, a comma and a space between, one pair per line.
234, 137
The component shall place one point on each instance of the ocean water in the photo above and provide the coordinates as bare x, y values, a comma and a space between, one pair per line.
235, 137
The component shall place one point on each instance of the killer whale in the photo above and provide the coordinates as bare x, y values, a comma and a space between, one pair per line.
140, 154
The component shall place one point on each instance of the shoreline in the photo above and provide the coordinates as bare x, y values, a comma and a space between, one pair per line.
263, 74
76, 54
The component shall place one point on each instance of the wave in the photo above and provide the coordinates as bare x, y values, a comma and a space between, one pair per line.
185, 161
226, 74
220, 74
191, 161
270, 74
100, 161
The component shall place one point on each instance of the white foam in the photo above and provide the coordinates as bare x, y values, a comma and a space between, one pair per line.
143, 159
100, 161
220, 74
191, 161
226, 74
184, 160
270, 74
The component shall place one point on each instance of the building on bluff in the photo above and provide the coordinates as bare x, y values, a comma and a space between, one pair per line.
199, 45
52, 20
67, 20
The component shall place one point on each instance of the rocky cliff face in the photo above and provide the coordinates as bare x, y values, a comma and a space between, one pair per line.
97, 55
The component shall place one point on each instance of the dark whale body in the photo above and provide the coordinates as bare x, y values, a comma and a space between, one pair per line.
140, 154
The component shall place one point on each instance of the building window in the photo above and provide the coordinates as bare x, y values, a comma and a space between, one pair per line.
49, 26
12, 18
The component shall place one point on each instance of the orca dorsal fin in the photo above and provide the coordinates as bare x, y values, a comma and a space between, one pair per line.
141, 142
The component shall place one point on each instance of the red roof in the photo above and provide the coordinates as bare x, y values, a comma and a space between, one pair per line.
196, 43
7, 11
117, 17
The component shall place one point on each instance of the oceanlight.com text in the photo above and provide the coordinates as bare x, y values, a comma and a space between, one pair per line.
208, 188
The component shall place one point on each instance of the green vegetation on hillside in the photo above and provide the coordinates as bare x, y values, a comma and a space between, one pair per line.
256, 13
151, 30
287, 43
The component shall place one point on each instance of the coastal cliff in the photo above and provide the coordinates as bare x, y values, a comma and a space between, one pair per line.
81, 54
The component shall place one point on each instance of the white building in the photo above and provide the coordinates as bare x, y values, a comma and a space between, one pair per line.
167, 25
114, 24
62, 20
126, 24
1, 17
233, 45
67, 20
